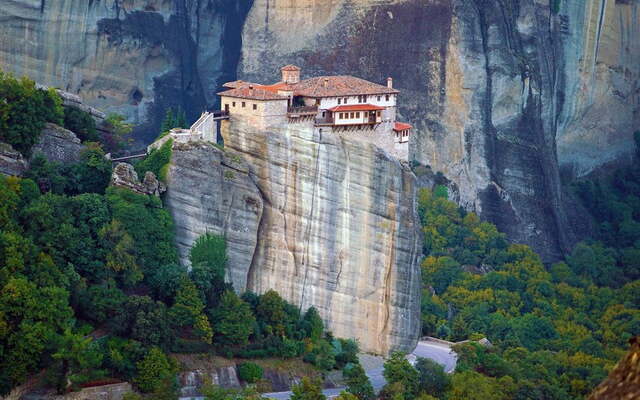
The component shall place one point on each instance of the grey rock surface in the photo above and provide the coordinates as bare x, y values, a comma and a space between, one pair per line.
210, 190
125, 176
11, 161
503, 95
136, 58
58, 144
339, 231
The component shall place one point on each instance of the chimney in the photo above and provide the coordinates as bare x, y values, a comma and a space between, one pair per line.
390, 82
250, 89
326, 82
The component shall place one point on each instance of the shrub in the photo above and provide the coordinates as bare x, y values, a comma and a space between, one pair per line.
154, 370
250, 372
81, 123
156, 161
24, 110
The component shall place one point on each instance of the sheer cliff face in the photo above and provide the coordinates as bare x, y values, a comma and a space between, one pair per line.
504, 95
134, 57
326, 222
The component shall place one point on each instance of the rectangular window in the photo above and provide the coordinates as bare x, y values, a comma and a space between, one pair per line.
255, 106
364, 99
358, 114
352, 115
378, 98
339, 101
244, 104
234, 103
378, 114
387, 97
345, 100
323, 114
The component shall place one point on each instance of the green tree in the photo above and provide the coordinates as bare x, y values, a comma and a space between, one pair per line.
433, 379
358, 382
81, 123
208, 258
313, 324
168, 122
79, 360
120, 260
250, 372
118, 130
307, 389
398, 370
154, 371
233, 320
188, 309
270, 311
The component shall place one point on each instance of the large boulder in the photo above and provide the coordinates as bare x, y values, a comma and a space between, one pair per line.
58, 144
11, 161
125, 176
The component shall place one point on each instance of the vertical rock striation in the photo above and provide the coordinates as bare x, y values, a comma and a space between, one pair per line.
135, 57
339, 231
503, 94
210, 191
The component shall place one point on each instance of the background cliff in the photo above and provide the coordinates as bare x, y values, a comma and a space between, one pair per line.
504, 95
507, 97
134, 57
326, 222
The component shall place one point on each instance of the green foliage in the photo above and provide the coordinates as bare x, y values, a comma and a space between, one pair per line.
188, 310
555, 6
313, 324
555, 331
149, 225
81, 123
307, 389
118, 132
358, 382
208, 258
142, 319
154, 371
156, 161
233, 320
91, 175
432, 378
79, 360
24, 110
271, 312
250, 372
397, 370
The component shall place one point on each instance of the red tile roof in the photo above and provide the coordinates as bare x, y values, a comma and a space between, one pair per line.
335, 86
290, 67
278, 86
401, 126
252, 93
356, 107
235, 84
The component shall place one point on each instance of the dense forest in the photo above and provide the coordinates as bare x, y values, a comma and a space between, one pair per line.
91, 290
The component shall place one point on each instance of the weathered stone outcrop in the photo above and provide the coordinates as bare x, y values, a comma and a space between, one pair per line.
503, 95
58, 144
135, 57
326, 221
210, 190
11, 161
339, 231
125, 176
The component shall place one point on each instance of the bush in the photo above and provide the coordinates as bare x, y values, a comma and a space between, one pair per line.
250, 372
24, 110
81, 123
156, 161
154, 370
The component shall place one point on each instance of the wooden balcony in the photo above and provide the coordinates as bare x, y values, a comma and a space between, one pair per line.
301, 112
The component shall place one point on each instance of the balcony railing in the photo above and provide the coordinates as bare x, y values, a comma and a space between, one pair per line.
302, 111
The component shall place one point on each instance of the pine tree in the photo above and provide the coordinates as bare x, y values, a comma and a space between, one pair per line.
168, 122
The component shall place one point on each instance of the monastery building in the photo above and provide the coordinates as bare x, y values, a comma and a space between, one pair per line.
343, 105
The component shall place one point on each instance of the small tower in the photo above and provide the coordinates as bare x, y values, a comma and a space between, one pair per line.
290, 74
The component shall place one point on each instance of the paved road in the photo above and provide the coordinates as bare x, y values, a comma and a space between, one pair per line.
438, 352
